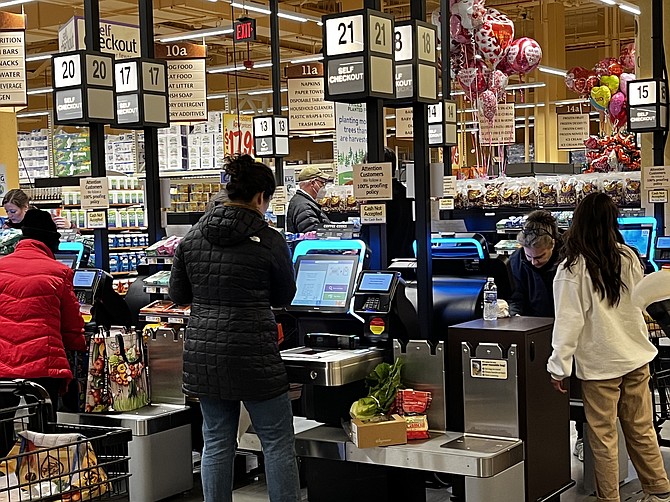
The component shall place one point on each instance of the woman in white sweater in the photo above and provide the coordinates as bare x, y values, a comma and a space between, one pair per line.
598, 325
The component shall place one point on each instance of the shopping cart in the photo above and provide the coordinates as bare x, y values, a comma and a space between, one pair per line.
90, 463
660, 377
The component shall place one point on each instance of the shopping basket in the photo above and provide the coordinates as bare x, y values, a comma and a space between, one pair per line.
86, 463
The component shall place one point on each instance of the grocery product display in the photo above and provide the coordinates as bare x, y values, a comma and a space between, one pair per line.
191, 197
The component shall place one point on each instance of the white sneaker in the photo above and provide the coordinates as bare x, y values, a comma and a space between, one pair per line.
649, 497
579, 450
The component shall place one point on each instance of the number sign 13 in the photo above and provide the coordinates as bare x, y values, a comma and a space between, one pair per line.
67, 71
344, 35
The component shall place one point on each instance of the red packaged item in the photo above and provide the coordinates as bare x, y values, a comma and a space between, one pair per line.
417, 426
413, 401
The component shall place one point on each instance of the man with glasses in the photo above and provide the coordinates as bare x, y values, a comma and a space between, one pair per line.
304, 212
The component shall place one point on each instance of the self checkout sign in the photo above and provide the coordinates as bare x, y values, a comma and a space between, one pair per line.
142, 93
647, 105
244, 30
83, 84
271, 136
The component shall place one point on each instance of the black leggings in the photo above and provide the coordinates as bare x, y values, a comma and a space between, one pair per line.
9, 400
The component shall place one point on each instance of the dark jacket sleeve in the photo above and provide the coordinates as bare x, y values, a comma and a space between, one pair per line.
283, 278
71, 322
519, 300
180, 290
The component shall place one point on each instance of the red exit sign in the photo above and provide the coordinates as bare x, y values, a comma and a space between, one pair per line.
245, 30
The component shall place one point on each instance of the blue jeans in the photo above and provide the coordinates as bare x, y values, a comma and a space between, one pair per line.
273, 422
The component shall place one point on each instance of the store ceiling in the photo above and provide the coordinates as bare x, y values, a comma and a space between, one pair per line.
587, 27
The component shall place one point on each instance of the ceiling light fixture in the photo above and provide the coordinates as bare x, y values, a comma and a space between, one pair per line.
190, 35
261, 9
553, 71
39, 56
309, 59
608, 2
14, 2
529, 85
292, 17
527, 105
630, 8
576, 101
42, 90
32, 114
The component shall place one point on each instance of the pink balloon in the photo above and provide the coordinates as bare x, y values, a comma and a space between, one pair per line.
617, 104
624, 78
458, 33
627, 57
488, 105
472, 80
498, 83
524, 55
494, 36
471, 12
504, 66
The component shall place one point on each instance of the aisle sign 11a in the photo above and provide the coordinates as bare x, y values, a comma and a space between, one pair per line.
358, 56
83, 83
647, 105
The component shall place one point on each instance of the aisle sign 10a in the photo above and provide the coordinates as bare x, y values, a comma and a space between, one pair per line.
83, 83
647, 105
358, 62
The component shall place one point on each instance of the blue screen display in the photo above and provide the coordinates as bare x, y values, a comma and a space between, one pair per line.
638, 238
380, 283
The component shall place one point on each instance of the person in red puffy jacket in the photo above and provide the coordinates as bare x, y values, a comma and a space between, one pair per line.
39, 313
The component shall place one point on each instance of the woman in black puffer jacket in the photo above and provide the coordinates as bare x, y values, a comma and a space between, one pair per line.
232, 267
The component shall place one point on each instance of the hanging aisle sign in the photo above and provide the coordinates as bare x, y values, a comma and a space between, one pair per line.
573, 126
12, 60
307, 109
120, 39
501, 130
187, 80
141, 93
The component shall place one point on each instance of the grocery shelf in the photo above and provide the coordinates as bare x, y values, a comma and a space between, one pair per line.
121, 248
78, 206
155, 260
168, 318
130, 273
117, 229
153, 290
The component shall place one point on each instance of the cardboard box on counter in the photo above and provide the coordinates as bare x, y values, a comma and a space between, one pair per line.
379, 431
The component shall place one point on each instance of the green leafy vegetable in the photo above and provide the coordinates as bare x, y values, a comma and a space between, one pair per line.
383, 384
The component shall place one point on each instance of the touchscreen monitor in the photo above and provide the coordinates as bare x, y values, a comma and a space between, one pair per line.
324, 282
66, 259
638, 238
378, 282
663, 243
84, 278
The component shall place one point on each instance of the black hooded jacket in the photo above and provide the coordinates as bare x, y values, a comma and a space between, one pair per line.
533, 287
304, 214
231, 267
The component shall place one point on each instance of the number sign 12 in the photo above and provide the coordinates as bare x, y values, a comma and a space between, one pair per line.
67, 71
344, 35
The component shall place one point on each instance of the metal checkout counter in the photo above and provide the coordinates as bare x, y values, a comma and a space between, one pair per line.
350, 319
160, 451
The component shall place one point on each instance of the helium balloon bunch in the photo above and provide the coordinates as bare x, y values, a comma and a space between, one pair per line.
618, 152
484, 52
606, 84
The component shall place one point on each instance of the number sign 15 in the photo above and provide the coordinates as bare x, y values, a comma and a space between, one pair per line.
67, 71
344, 35
642, 93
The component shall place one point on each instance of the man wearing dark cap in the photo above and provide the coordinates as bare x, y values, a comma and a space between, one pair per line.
304, 213
40, 313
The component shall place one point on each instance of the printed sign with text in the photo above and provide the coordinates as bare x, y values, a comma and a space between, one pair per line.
94, 193
373, 214
373, 181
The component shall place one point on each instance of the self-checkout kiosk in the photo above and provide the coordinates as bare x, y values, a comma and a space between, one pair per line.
345, 317
639, 232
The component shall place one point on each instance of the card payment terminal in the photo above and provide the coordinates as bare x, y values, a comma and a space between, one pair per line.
87, 282
373, 301
662, 253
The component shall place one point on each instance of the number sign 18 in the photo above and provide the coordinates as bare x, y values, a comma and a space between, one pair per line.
403, 43
67, 71
344, 35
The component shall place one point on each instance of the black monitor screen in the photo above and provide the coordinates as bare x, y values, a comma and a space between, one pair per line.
325, 282
376, 282
84, 278
638, 238
67, 259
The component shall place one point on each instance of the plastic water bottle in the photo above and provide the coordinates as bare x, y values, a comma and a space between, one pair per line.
490, 300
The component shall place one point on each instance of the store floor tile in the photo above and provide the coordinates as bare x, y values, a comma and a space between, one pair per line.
255, 491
